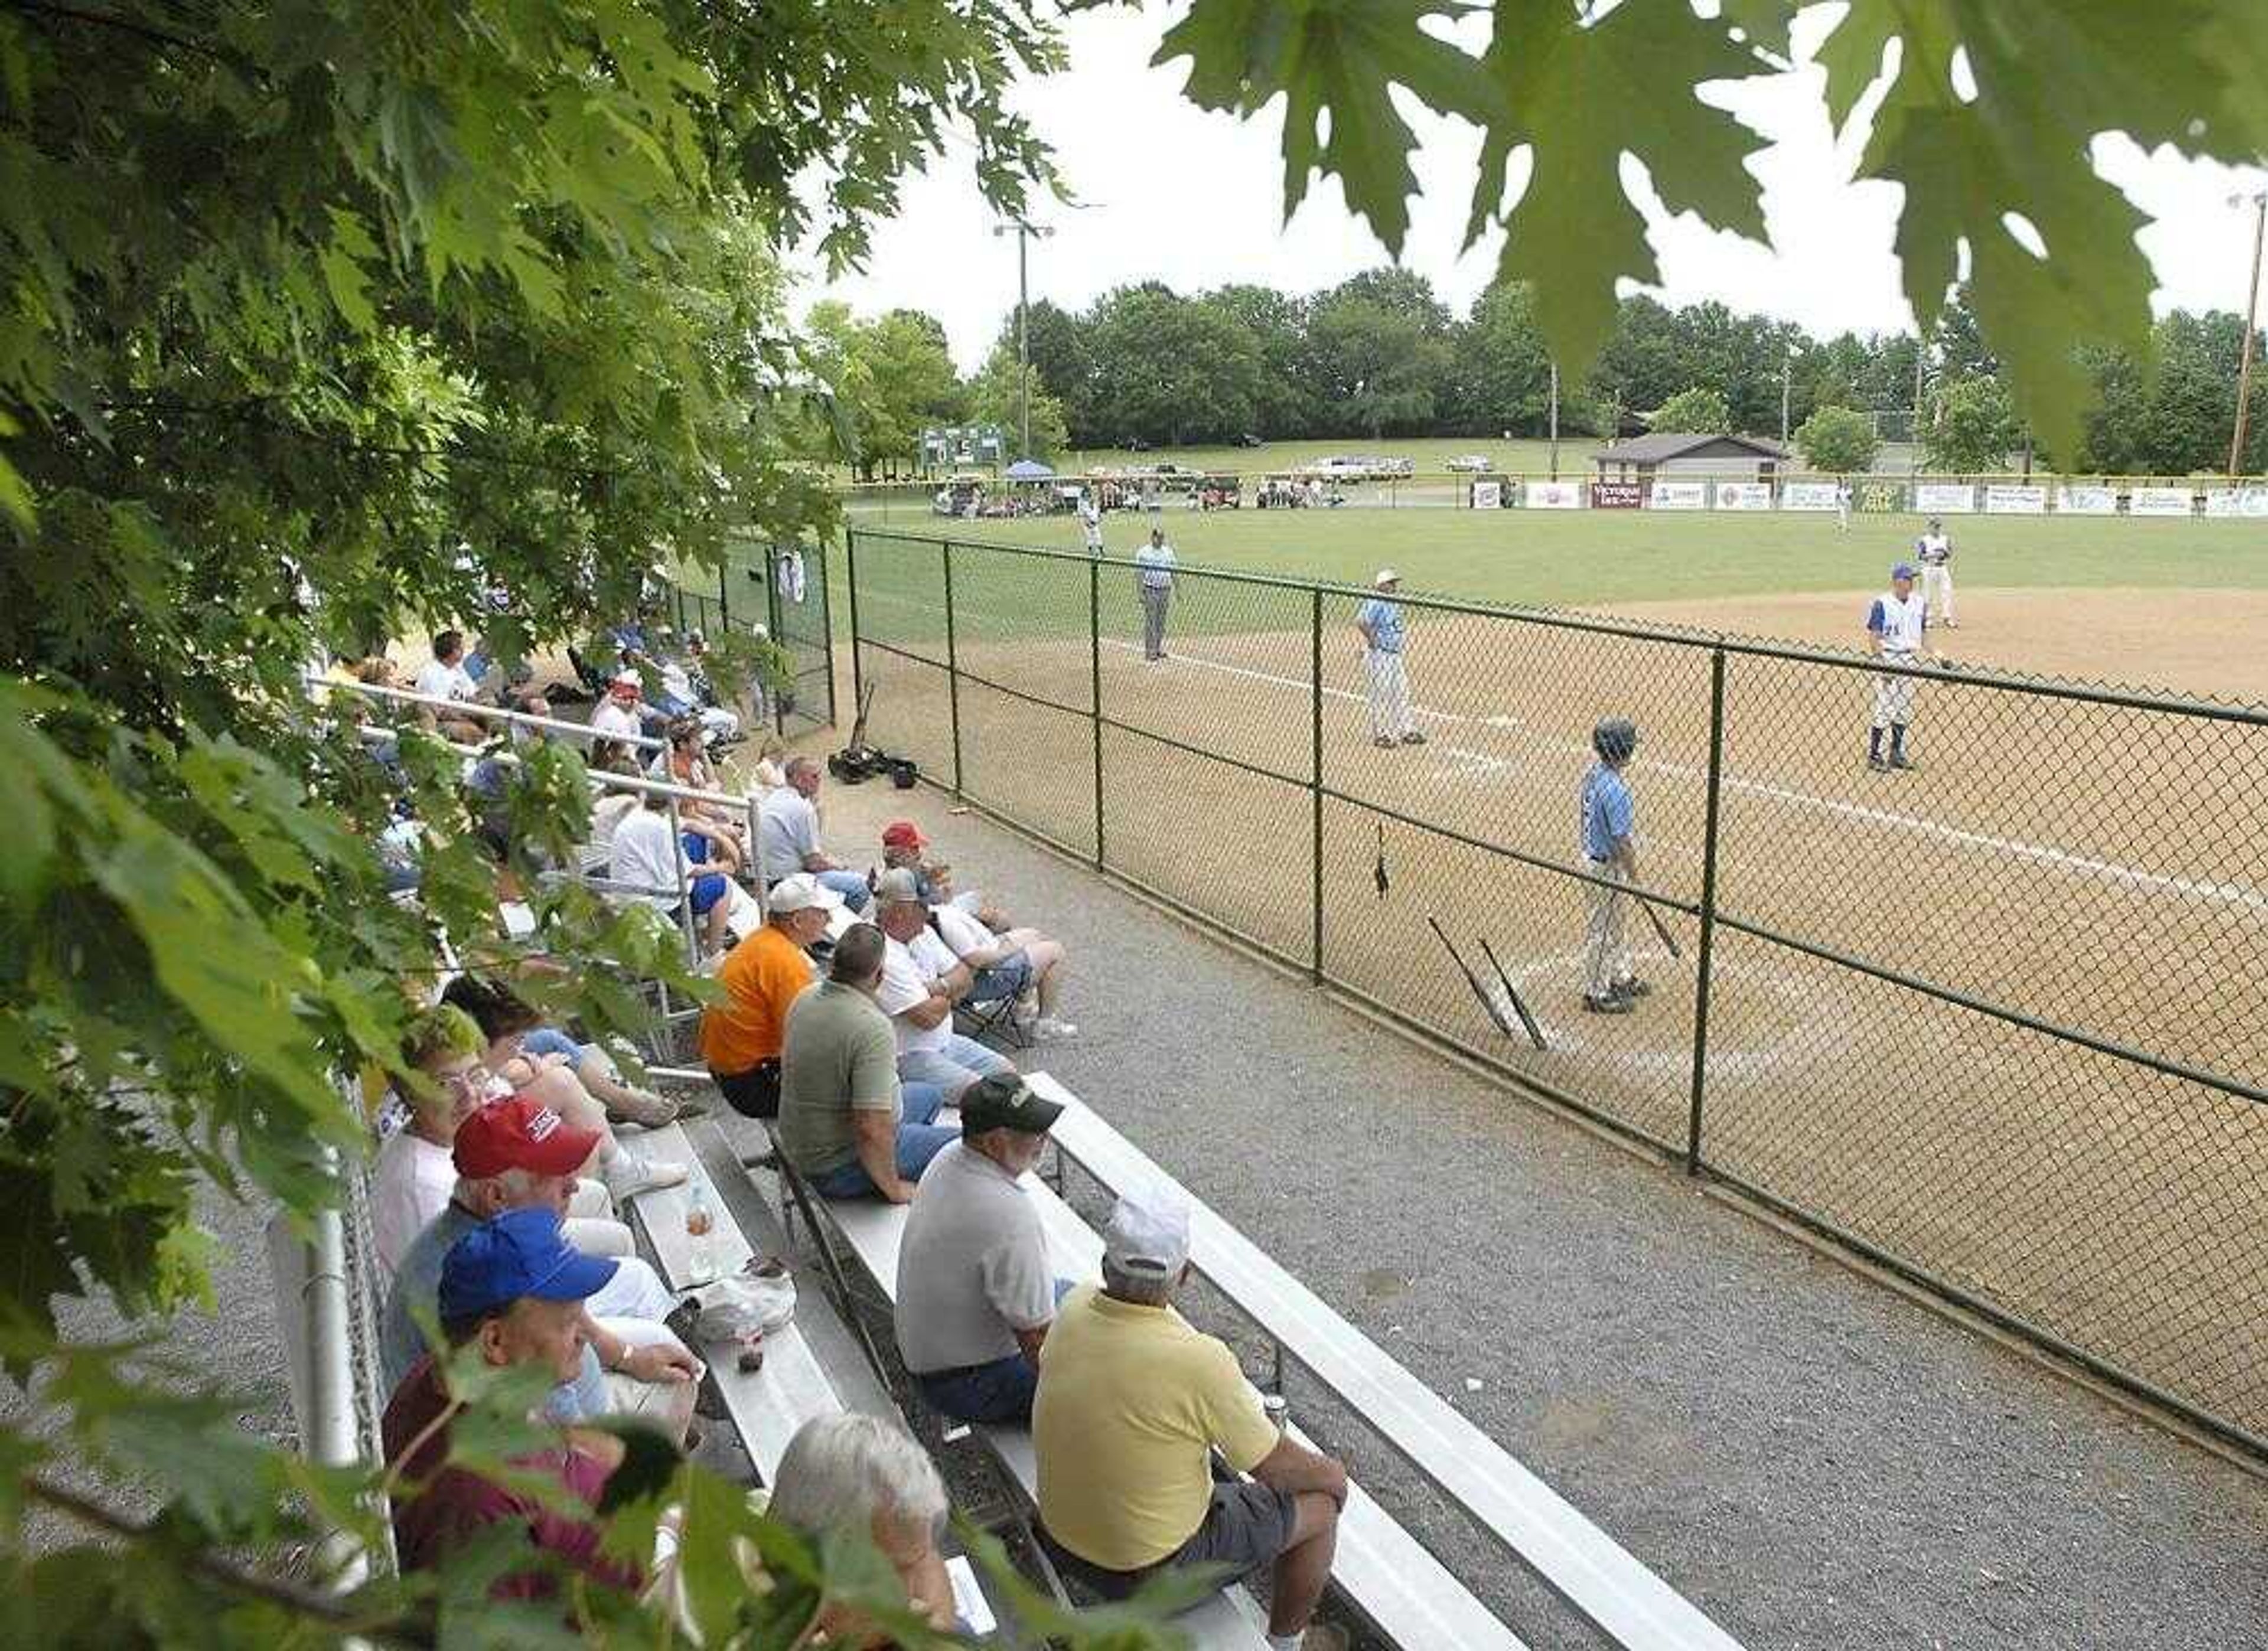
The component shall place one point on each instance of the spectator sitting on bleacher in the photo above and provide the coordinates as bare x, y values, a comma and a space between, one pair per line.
787, 835
684, 761
761, 977
846, 1122
521, 1048
975, 1291
660, 868
519, 1154
619, 716
611, 808
904, 845
920, 982
513, 1289
444, 678
855, 1473
1133, 1402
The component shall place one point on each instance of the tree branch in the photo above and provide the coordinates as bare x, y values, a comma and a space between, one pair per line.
124, 26
305, 1601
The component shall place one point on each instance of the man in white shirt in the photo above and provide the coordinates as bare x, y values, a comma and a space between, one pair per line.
976, 1294
651, 859
1023, 962
619, 716
920, 982
443, 676
1154, 582
787, 836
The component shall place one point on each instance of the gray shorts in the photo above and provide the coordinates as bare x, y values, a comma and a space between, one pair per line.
1245, 1528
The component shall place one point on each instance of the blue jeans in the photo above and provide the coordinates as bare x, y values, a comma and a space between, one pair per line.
849, 885
952, 1067
918, 1142
999, 1391
1007, 977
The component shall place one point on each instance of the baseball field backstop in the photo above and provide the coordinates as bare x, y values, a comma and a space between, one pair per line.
1996, 1022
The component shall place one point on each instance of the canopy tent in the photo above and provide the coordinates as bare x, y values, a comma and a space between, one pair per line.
1029, 470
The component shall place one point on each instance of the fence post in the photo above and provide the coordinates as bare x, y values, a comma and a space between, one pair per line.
723, 601
952, 663
1316, 771
778, 639
818, 561
858, 669
1094, 688
1702, 965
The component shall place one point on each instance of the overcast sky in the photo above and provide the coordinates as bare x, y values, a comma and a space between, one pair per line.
1194, 199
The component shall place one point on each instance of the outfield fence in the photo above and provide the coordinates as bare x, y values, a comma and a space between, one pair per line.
1994, 1024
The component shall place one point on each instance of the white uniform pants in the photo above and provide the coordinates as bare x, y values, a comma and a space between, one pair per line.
1894, 696
1389, 694
1606, 958
1937, 591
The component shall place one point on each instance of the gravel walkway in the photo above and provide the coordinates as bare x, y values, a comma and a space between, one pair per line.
1813, 1459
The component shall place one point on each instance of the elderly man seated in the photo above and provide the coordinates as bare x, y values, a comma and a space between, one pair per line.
867, 1476
519, 1154
846, 1122
512, 1291
975, 1291
920, 982
1022, 964
787, 835
1133, 1402
761, 978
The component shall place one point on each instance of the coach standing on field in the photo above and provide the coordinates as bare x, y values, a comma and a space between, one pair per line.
1384, 631
1154, 582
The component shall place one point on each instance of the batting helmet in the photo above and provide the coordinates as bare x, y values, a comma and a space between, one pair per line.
1615, 738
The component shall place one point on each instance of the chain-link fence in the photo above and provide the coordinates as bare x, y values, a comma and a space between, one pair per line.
1992, 1018
783, 588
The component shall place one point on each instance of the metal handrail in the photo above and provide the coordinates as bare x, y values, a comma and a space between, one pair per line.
526, 719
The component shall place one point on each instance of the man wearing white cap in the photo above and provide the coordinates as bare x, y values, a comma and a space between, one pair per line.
1383, 631
1133, 1402
762, 977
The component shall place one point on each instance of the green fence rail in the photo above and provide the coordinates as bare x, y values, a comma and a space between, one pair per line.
1993, 1022
784, 589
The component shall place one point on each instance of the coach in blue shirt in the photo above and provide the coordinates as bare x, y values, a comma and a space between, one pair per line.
1383, 629
1609, 985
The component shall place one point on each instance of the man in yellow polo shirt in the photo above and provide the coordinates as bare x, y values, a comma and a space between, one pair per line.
742, 1031
1132, 1404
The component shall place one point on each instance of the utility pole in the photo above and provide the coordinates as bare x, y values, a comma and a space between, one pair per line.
2259, 200
1555, 421
1786, 386
1921, 362
1025, 232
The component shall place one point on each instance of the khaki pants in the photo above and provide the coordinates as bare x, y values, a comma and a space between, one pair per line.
1389, 694
1606, 958
668, 1405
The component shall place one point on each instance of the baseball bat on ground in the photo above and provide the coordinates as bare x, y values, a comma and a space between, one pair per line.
1512, 994
1488, 1001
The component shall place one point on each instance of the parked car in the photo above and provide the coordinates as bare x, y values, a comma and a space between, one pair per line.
1476, 463
1249, 441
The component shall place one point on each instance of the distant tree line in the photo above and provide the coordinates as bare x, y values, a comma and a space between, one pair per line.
1381, 356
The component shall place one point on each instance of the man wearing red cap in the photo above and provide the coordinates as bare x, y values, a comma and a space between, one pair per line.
519, 1154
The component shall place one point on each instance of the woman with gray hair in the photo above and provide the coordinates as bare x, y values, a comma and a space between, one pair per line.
867, 1473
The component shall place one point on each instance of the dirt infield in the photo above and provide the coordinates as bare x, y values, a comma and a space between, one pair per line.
2099, 867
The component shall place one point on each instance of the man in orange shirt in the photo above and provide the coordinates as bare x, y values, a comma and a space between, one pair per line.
741, 1032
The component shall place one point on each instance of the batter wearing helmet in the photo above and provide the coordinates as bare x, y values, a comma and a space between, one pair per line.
1895, 627
1610, 987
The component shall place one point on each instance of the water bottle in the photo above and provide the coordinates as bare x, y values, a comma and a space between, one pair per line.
700, 1260
1278, 1410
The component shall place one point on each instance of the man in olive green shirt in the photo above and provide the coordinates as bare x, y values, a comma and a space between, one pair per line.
1132, 1402
841, 1121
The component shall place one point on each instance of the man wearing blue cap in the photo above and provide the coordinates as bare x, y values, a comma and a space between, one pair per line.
1895, 627
512, 1290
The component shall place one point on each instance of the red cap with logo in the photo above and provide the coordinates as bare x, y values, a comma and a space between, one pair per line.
903, 833
520, 1132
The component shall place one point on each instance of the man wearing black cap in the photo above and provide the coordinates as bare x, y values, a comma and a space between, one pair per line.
976, 1296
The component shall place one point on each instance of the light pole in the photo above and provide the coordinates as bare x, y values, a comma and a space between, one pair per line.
1786, 389
1555, 421
1025, 232
2259, 202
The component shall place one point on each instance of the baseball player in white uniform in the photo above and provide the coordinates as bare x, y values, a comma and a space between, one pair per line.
1897, 625
1935, 551
1843, 507
1090, 520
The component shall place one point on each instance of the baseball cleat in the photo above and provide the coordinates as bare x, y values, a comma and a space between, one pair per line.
1878, 764
1899, 759
1413, 738
1632, 987
1384, 742
1607, 1005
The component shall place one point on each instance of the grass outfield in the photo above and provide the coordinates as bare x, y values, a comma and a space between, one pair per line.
1589, 558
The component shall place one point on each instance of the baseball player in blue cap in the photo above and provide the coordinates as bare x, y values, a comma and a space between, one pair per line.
1897, 625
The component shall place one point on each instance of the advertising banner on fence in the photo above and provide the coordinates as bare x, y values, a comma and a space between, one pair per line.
2087, 500
1744, 495
1944, 498
1881, 496
1807, 495
1617, 495
1554, 495
1488, 495
1678, 496
2236, 502
2010, 500
2158, 501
